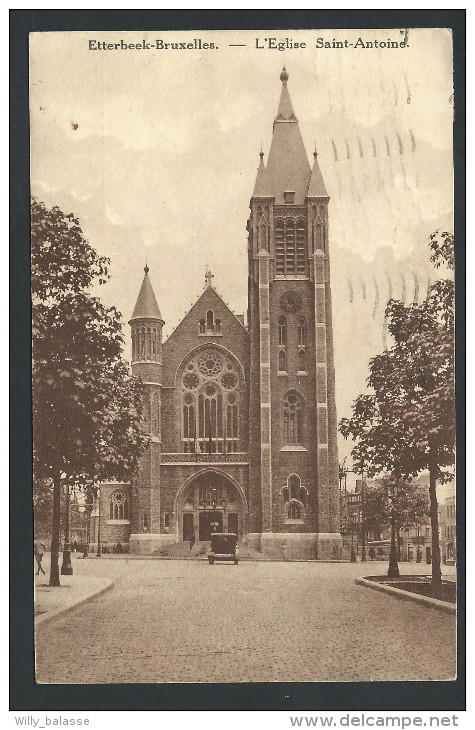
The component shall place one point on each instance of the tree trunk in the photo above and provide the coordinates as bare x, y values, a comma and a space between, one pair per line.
393, 570
434, 523
54, 568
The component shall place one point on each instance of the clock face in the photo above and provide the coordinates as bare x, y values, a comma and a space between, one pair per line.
291, 301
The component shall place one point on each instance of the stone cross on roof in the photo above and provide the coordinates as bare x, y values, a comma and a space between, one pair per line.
208, 277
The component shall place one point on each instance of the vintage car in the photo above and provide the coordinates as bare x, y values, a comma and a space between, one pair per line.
223, 547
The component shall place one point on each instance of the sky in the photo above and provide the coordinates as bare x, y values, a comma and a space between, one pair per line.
156, 152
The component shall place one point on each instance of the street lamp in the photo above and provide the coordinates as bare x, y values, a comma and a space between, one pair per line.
99, 546
343, 473
66, 567
214, 502
347, 527
363, 526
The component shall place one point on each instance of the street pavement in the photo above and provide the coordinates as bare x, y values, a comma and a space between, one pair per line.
187, 621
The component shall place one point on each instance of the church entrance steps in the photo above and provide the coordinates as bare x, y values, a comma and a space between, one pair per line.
200, 548
177, 550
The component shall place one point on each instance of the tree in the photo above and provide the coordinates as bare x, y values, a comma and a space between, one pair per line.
407, 423
86, 408
396, 502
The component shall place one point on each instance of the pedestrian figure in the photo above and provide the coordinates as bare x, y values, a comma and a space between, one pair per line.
192, 541
75, 546
40, 548
372, 553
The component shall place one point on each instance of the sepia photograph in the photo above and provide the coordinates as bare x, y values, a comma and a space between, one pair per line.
243, 341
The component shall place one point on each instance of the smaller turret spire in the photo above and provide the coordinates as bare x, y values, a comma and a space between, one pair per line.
146, 306
260, 186
316, 188
284, 76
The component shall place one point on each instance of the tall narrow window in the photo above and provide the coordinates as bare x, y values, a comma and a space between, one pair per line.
189, 423
290, 247
279, 246
292, 418
290, 267
318, 235
210, 320
155, 415
301, 266
282, 362
119, 506
294, 485
210, 325
142, 343
301, 342
282, 330
263, 237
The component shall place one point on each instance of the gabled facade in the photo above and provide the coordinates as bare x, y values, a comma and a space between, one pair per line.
243, 420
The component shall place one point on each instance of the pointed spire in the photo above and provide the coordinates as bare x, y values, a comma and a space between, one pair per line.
317, 188
146, 306
260, 186
285, 111
287, 168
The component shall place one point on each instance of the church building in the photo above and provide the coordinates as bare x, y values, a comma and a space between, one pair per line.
242, 418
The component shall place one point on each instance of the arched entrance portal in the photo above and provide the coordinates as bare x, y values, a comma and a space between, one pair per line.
211, 502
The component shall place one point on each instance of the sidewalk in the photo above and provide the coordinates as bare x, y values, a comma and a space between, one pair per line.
75, 590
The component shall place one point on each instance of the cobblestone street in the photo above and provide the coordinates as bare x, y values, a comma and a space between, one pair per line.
186, 621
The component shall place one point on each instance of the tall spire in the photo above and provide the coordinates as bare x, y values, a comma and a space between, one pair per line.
285, 111
146, 306
288, 169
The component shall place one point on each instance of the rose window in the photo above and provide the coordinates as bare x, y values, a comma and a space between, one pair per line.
191, 381
229, 381
210, 364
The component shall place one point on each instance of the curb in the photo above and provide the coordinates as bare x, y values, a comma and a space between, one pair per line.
138, 556
407, 596
61, 610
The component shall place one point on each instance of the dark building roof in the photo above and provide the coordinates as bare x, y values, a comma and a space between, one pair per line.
146, 306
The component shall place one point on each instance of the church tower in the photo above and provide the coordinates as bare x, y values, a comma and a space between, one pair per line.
146, 331
293, 461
